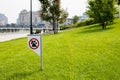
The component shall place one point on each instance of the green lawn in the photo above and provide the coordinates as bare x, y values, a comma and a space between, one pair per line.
86, 53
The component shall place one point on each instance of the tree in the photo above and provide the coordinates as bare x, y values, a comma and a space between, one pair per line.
51, 12
63, 16
118, 2
75, 19
102, 11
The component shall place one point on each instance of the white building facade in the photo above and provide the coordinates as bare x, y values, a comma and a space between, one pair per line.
3, 20
24, 18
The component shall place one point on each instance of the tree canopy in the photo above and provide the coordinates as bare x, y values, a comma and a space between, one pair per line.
52, 12
75, 19
102, 11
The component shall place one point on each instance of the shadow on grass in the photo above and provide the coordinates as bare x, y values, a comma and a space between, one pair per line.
95, 28
21, 75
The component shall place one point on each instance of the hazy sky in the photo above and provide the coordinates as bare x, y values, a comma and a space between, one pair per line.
11, 8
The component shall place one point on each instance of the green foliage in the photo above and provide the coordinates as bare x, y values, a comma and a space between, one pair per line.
52, 12
75, 19
63, 27
86, 53
102, 11
81, 23
85, 22
66, 27
90, 21
63, 16
118, 2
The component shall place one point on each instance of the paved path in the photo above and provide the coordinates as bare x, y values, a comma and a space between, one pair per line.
9, 36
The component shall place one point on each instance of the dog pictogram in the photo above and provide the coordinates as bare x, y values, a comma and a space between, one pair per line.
33, 43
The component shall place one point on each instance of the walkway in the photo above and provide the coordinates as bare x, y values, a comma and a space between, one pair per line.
9, 36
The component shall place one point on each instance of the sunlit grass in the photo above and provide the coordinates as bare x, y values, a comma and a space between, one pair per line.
86, 53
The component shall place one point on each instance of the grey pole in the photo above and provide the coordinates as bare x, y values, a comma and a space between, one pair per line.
31, 29
41, 53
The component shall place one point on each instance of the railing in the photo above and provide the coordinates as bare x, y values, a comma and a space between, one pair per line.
23, 29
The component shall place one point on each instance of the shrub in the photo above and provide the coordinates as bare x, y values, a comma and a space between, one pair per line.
90, 21
85, 22
66, 27
63, 27
79, 24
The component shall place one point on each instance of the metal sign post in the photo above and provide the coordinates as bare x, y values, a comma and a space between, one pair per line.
31, 29
35, 43
34, 40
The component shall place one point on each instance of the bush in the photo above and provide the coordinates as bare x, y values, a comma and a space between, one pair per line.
79, 24
66, 27
63, 27
85, 22
90, 21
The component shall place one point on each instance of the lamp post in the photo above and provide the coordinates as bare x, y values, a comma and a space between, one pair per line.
35, 41
31, 29
119, 8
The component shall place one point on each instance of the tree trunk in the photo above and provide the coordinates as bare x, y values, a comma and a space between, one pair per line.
57, 26
55, 29
103, 25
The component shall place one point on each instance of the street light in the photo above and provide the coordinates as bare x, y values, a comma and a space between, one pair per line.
31, 29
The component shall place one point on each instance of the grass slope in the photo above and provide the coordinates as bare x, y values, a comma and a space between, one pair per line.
86, 53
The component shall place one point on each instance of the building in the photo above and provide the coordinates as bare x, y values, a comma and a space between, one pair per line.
3, 20
24, 18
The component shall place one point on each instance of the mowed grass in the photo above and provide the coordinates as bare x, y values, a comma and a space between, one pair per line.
86, 53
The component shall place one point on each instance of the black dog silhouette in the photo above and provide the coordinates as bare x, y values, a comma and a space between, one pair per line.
33, 43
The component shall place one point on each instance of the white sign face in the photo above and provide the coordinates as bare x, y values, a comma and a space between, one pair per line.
35, 43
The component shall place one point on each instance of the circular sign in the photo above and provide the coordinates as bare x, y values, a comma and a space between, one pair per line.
33, 43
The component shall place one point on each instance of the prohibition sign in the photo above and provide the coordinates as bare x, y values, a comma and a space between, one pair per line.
34, 43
